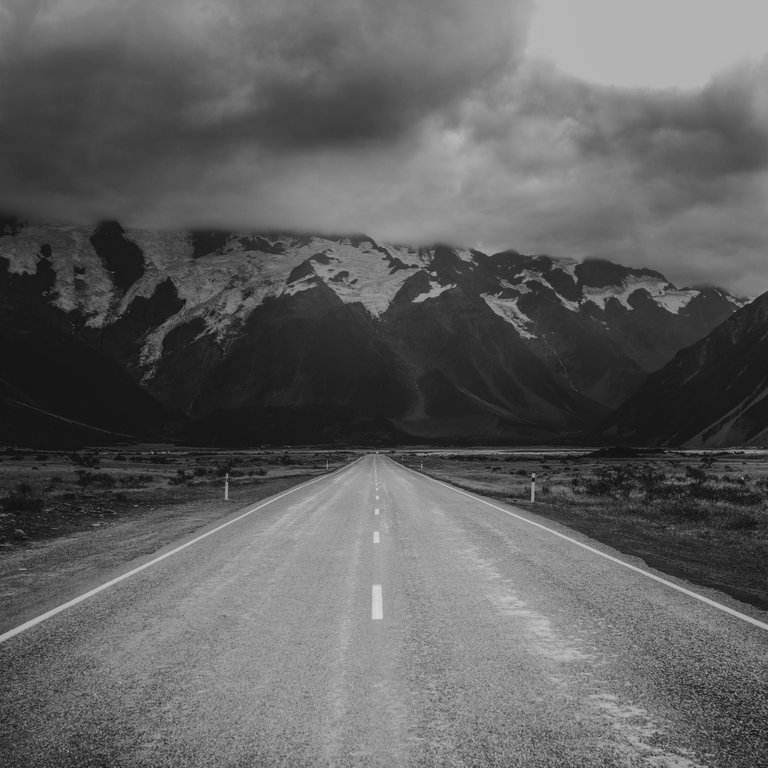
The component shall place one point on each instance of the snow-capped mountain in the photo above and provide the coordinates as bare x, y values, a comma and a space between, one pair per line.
263, 335
712, 394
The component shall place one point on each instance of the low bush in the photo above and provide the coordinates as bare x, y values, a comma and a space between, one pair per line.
685, 508
90, 460
88, 479
133, 480
156, 458
180, 478
740, 521
740, 493
22, 498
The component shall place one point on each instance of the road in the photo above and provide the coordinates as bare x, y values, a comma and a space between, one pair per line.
460, 635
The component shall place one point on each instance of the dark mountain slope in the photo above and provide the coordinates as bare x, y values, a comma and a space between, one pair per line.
55, 387
712, 394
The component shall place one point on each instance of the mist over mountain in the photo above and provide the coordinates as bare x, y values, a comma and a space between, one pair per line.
254, 337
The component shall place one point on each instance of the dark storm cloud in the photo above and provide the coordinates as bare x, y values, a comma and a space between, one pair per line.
101, 100
712, 133
413, 120
678, 179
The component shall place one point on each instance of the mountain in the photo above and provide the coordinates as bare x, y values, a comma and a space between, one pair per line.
55, 387
261, 337
713, 393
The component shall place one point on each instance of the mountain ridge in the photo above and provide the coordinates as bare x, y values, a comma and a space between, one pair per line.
427, 342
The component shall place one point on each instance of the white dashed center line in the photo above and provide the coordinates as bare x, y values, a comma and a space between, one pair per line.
377, 603
376, 511
376, 537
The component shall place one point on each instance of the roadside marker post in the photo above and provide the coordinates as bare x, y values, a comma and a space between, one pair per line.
226, 487
533, 487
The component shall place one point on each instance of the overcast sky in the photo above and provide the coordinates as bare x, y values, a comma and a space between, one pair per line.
636, 131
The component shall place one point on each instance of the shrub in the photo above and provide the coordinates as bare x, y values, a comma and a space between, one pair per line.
685, 508
90, 460
22, 499
740, 521
611, 481
181, 477
128, 480
98, 479
696, 474
734, 494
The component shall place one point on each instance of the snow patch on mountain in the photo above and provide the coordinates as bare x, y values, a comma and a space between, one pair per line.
298, 286
519, 287
465, 255
435, 289
571, 306
663, 293
673, 300
566, 265
22, 252
82, 281
508, 310
526, 276
366, 273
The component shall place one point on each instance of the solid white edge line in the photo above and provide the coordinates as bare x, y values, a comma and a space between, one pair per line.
641, 571
377, 603
106, 585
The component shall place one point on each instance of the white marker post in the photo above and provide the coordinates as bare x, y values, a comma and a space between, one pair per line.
326, 465
533, 487
422, 465
226, 487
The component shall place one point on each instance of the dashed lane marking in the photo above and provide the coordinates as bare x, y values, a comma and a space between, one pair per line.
377, 603
376, 538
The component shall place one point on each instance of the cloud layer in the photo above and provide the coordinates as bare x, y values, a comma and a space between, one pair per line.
411, 120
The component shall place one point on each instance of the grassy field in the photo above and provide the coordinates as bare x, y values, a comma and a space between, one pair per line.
700, 516
44, 494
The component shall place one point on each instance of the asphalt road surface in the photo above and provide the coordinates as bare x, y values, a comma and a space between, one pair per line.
375, 617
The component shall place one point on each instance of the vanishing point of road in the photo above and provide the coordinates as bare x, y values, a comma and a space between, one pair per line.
377, 617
